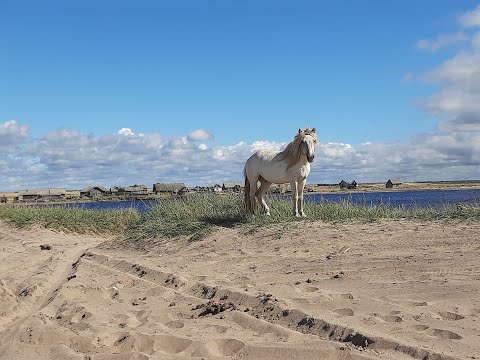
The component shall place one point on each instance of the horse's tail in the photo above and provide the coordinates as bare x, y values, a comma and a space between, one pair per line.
246, 193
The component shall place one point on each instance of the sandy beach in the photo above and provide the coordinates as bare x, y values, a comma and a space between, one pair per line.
306, 290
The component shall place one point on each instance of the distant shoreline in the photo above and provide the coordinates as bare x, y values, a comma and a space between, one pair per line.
311, 189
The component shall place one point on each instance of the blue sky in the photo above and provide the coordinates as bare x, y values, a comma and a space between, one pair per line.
243, 72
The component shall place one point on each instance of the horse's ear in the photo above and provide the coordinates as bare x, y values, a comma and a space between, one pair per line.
299, 131
314, 130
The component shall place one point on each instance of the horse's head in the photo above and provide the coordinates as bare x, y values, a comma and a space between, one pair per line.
308, 140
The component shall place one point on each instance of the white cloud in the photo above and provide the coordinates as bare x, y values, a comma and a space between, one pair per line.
457, 102
11, 132
476, 41
441, 41
471, 18
72, 159
199, 135
462, 69
125, 132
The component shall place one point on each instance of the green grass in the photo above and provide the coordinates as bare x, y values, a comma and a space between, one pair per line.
195, 216
198, 215
82, 221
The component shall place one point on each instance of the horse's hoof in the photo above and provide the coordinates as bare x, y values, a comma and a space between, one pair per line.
268, 214
303, 215
297, 215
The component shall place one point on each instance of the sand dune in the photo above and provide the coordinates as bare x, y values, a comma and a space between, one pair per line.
390, 290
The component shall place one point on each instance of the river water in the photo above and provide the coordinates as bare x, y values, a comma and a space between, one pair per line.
407, 199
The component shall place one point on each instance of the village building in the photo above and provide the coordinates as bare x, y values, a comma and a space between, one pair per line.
115, 191
393, 183
199, 189
167, 188
216, 188
278, 189
41, 195
94, 191
233, 186
135, 190
183, 191
346, 185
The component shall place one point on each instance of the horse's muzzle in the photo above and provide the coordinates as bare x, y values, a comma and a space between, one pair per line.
310, 158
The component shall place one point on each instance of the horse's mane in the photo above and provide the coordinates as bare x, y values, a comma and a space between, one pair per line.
293, 152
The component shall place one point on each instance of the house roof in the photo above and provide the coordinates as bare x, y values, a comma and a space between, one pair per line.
42, 192
135, 188
168, 187
231, 185
395, 181
90, 188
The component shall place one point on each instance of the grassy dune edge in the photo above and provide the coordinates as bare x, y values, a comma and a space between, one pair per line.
197, 216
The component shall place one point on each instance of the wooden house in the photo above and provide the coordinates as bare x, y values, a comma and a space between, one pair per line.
216, 188
393, 183
348, 185
167, 188
233, 186
116, 191
183, 191
41, 194
135, 190
94, 191
343, 184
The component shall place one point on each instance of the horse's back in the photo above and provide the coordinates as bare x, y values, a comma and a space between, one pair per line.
266, 164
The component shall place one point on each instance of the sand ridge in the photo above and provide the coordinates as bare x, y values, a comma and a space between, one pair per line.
391, 290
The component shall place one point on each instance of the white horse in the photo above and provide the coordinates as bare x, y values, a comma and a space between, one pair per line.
291, 165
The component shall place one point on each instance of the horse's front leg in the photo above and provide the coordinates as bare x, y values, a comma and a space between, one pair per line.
294, 187
301, 187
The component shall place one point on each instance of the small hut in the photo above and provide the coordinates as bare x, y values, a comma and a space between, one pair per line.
348, 185
94, 191
393, 183
135, 190
233, 186
41, 194
216, 188
167, 188
343, 184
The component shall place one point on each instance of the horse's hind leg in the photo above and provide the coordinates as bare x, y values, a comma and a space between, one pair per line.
253, 190
264, 185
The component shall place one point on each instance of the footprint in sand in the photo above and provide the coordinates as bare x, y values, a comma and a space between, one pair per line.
344, 312
389, 318
139, 342
309, 289
135, 318
447, 315
444, 334
218, 329
418, 303
174, 324
345, 296
225, 347
421, 327
171, 344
